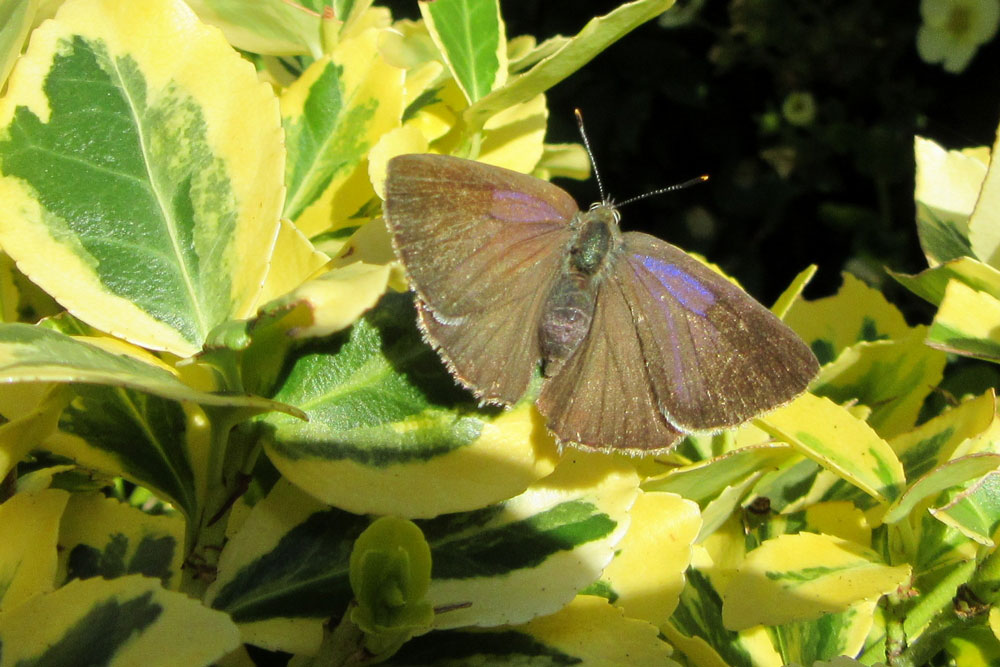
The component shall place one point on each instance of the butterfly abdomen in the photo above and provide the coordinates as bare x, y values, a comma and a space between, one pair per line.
566, 319
569, 307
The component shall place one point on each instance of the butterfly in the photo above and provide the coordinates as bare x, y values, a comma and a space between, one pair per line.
638, 343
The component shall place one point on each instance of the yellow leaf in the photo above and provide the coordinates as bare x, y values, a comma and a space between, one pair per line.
804, 576
647, 575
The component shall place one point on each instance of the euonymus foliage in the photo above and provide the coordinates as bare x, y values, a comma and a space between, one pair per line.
228, 431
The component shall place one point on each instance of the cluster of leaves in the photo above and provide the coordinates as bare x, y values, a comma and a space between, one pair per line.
228, 428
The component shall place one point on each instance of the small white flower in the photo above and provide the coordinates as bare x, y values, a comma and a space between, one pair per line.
954, 29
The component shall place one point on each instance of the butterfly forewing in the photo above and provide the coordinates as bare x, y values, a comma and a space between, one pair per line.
482, 246
602, 397
715, 357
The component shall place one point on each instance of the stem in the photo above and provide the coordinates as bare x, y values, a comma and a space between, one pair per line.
933, 639
206, 538
966, 611
895, 634
343, 646
230, 448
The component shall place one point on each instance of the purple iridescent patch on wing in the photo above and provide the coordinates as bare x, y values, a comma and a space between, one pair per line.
511, 206
681, 285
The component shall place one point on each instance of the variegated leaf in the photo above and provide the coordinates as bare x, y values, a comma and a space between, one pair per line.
286, 570
587, 631
384, 414
139, 624
159, 225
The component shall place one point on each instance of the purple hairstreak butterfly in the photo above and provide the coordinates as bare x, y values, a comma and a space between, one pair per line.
638, 343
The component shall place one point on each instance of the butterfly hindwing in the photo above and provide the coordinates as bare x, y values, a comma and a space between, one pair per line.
602, 397
715, 357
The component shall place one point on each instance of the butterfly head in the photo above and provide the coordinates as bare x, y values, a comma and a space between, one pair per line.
606, 208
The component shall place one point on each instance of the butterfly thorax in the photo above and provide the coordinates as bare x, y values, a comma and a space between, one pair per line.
569, 307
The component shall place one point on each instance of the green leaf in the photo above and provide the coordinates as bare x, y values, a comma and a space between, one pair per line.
703, 480
975, 512
471, 37
348, 12
967, 323
829, 637
102, 537
664, 526
721, 508
390, 571
596, 36
934, 442
856, 313
565, 160
267, 27
28, 551
523, 52
830, 435
890, 377
16, 17
334, 300
696, 628
159, 226
931, 284
587, 631
950, 474
295, 260
126, 417
142, 437
531, 554
803, 577
139, 623
35, 354
837, 518
384, 413
793, 292
984, 223
975, 646
947, 187
28, 426
508, 562
332, 115
785, 486
289, 559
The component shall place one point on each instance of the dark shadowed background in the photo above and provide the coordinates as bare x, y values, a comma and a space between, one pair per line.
803, 113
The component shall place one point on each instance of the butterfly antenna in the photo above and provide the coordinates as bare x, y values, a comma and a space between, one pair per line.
669, 188
600, 184
590, 154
